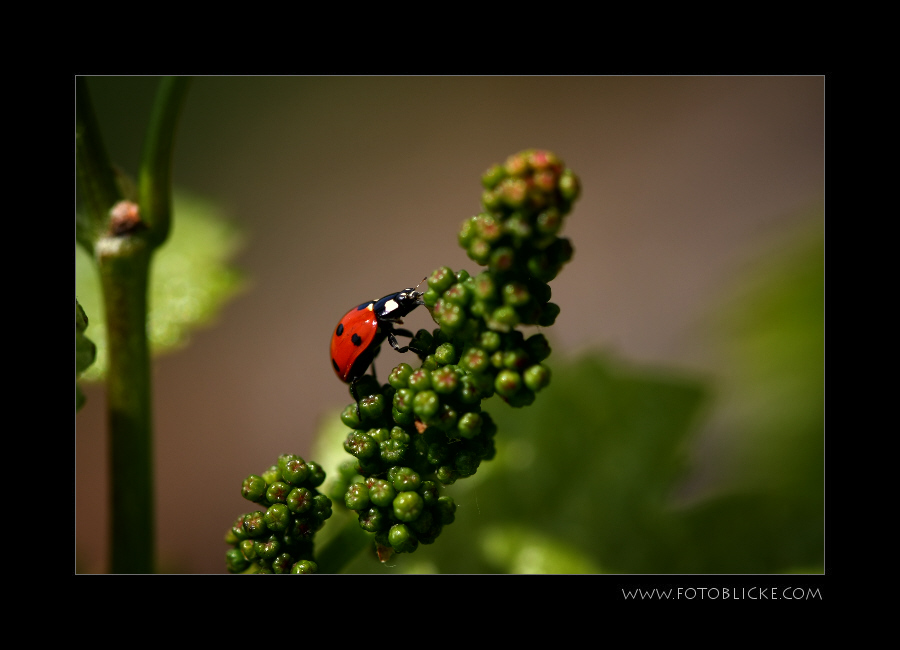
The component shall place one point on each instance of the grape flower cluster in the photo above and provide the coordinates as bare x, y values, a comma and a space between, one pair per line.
279, 539
425, 428
85, 351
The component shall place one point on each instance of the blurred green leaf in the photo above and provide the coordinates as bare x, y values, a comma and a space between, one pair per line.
520, 550
771, 338
766, 511
593, 462
190, 279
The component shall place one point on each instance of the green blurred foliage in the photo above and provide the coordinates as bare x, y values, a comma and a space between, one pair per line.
190, 280
772, 340
596, 475
770, 415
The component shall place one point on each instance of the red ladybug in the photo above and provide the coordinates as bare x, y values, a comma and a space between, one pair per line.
358, 336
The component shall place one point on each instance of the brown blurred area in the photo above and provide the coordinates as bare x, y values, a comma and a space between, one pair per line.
349, 188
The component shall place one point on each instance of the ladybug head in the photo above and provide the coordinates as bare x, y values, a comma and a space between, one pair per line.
412, 296
401, 303
397, 305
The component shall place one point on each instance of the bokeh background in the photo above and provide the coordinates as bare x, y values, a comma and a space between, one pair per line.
348, 188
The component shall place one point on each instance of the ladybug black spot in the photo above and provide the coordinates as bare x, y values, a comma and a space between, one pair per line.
340, 329
356, 340
336, 367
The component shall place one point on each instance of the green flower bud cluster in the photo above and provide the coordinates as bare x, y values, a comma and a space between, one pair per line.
85, 352
279, 539
525, 201
425, 427
401, 509
494, 357
407, 441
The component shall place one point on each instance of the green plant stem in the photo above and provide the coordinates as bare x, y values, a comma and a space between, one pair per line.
124, 264
123, 252
343, 547
154, 177
96, 181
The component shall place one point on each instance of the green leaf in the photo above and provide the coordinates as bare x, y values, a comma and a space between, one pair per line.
190, 280
522, 550
593, 463
770, 336
768, 511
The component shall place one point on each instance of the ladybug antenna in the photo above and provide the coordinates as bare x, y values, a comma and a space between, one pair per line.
419, 285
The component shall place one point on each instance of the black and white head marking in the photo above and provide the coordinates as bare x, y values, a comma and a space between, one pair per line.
391, 305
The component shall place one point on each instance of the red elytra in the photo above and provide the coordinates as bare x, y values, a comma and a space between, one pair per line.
359, 334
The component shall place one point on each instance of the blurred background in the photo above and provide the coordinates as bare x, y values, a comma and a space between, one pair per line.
699, 259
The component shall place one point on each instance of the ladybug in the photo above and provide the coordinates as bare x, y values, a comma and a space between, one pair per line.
359, 334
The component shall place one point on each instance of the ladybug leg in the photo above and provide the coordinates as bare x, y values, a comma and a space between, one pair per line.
353, 390
355, 398
393, 339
